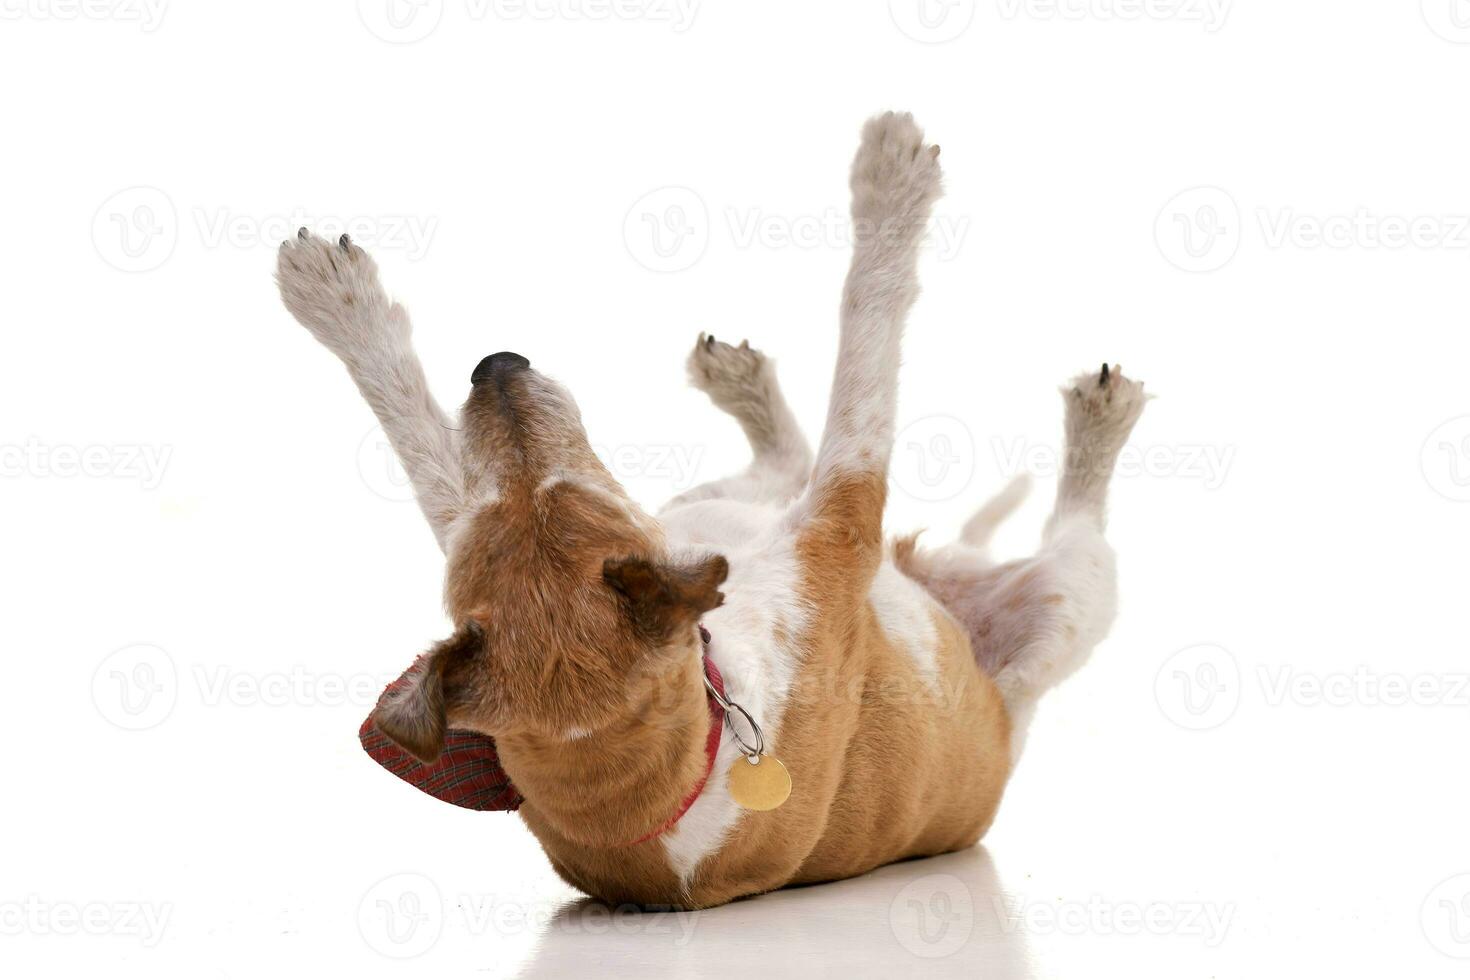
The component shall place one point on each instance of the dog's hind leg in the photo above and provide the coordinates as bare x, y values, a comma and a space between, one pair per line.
742, 382
332, 289
1032, 623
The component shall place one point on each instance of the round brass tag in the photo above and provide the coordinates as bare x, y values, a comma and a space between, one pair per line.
760, 785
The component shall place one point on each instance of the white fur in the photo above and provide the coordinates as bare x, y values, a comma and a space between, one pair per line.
333, 290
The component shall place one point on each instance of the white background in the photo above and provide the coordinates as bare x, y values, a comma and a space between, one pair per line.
210, 568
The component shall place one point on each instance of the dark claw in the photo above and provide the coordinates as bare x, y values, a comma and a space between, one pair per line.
344, 241
1105, 375
302, 234
710, 343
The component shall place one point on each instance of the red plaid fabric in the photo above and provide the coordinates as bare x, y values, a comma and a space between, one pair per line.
468, 773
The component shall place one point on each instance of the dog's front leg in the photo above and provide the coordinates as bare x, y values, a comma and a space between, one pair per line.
333, 289
895, 181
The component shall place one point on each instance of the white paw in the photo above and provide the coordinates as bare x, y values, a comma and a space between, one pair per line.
1105, 403
716, 367
332, 289
896, 177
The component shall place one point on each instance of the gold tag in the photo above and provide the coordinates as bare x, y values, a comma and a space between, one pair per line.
762, 784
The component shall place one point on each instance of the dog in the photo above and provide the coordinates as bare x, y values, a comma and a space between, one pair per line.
755, 688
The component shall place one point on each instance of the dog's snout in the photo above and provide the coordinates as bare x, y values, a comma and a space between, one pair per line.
496, 364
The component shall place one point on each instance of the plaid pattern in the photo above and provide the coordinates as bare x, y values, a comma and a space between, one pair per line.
468, 773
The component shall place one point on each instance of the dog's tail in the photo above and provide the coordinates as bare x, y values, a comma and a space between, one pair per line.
978, 529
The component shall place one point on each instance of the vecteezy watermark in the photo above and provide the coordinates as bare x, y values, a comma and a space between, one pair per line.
1198, 230
677, 466
1211, 14
1445, 917
136, 687
220, 684
506, 915
1198, 688
136, 229
1201, 230
1363, 229
1450, 19
147, 14
407, 233
933, 458
755, 227
1209, 922
932, 21
669, 230
404, 915
407, 21
401, 916
1208, 465
379, 469
1361, 687
1202, 686
145, 464
1445, 459
35, 916
933, 917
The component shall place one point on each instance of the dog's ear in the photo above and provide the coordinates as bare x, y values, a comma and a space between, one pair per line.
662, 597
411, 712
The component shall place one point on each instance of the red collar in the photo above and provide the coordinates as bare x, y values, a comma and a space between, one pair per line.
711, 743
468, 773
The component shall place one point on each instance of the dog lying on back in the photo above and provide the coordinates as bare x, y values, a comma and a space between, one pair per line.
893, 684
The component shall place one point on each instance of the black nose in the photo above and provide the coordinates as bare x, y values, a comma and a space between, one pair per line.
495, 363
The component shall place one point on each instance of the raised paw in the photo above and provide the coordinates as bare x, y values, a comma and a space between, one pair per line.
1104, 405
896, 178
717, 368
332, 288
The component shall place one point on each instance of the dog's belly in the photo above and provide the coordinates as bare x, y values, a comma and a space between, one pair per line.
761, 644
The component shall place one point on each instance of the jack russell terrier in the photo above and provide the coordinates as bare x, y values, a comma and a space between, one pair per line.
752, 689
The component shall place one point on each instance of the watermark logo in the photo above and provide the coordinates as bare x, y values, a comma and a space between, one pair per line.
932, 21
379, 469
675, 465
136, 687
667, 230
40, 460
136, 229
933, 917
1211, 14
147, 14
1199, 229
1363, 229
750, 227
401, 916
1445, 459
933, 458
1450, 19
1198, 688
1208, 922
1205, 464
406, 233
400, 21
1445, 917
35, 916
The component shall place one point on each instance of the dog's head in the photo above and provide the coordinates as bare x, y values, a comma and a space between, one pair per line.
560, 586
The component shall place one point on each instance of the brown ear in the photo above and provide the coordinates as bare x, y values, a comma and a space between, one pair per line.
662, 597
411, 711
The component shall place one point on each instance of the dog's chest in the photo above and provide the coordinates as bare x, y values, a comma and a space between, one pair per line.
756, 637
